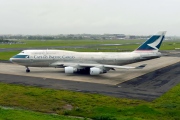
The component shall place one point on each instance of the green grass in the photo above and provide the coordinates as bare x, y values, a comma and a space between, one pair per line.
94, 106
16, 114
49, 43
98, 107
7, 55
166, 45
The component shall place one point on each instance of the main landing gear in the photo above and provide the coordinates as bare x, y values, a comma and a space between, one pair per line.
27, 70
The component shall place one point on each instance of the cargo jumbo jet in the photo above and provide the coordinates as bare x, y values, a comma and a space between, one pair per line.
94, 62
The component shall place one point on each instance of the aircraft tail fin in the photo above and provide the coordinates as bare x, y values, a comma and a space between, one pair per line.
153, 43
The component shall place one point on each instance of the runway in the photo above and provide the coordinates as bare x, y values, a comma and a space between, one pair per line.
149, 83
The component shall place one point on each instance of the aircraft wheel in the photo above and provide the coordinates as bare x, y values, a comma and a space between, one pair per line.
27, 70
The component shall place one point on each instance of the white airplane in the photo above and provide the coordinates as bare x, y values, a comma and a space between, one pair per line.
93, 62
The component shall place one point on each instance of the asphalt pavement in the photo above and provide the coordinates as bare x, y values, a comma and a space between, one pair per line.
146, 87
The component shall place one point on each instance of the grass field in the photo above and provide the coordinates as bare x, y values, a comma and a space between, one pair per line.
17, 114
95, 106
47, 43
69, 103
166, 45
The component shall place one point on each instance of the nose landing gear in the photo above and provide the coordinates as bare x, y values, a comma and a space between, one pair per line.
27, 70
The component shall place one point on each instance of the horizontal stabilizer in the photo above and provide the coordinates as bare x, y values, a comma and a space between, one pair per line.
141, 66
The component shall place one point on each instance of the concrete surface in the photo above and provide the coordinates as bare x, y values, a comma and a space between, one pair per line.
146, 87
111, 78
149, 83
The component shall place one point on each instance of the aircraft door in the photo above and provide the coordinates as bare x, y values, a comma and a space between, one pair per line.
30, 59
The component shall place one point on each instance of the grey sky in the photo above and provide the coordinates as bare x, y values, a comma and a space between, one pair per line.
139, 17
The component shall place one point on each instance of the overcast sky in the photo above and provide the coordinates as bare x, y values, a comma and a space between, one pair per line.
138, 17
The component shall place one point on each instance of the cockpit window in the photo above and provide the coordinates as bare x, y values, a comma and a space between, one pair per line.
21, 56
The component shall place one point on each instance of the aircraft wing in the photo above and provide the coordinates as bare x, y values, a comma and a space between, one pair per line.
125, 67
83, 65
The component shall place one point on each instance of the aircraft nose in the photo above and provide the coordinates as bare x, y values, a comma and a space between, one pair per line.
11, 59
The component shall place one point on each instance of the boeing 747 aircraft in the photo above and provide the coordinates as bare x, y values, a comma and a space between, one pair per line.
94, 62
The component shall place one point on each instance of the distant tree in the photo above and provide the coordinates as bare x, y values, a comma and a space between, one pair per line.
1, 38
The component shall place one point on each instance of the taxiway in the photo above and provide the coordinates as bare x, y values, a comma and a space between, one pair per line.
149, 83
110, 78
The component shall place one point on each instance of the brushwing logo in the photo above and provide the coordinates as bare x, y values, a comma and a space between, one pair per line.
27, 56
156, 43
153, 43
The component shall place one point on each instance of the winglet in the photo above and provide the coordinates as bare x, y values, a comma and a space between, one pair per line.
141, 66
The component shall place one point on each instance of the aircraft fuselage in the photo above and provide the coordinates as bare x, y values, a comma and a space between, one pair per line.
46, 58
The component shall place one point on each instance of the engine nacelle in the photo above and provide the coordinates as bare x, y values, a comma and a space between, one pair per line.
70, 70
95, 71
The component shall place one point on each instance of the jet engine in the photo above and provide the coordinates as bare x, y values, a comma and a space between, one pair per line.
70, 70
95, 71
